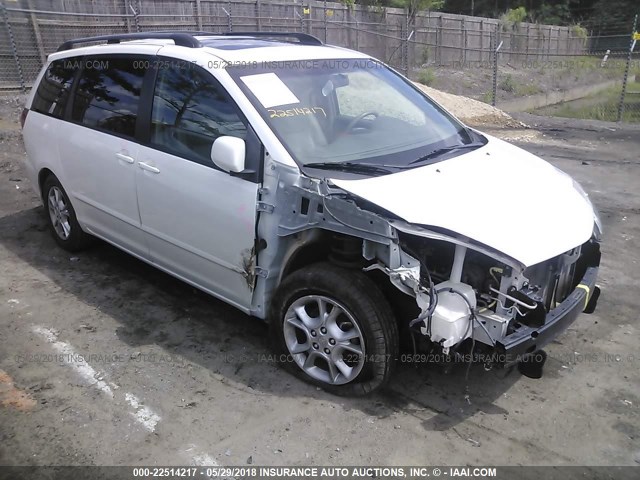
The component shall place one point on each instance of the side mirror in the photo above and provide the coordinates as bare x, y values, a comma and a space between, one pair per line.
228, 153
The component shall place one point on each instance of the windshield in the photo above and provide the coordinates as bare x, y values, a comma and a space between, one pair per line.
350, 113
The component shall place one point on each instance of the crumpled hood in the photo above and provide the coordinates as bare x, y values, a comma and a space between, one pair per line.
498, 195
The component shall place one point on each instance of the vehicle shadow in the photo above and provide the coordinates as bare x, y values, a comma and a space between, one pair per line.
153, 308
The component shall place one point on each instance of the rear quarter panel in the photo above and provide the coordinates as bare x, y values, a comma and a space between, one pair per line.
41, 144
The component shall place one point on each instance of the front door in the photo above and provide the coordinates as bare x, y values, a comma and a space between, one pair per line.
199, 220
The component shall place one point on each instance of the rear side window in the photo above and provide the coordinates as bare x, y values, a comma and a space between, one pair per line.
53, 92
108, 95
190, 110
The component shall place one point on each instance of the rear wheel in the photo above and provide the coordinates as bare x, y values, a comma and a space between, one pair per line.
62, 217
332, 327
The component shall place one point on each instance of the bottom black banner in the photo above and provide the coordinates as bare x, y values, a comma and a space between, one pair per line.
317, 472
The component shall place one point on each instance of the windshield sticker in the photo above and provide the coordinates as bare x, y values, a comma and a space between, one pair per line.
293, 112
269, 90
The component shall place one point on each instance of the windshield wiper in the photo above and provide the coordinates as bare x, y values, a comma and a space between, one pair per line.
354, 167
441, 151
382, 168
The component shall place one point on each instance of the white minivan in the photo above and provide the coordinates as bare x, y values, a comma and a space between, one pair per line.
316, 188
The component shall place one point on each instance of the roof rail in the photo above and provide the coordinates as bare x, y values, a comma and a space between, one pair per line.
303, 38
187, 39
183, 39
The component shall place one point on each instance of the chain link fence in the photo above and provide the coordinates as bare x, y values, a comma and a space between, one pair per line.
565, 71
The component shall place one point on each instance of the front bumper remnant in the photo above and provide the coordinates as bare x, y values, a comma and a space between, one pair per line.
526, 340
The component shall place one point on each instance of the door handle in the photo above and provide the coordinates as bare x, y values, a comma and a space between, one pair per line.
148, 168
124, 158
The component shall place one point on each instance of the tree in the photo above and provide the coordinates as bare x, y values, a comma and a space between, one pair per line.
414, 6
606, 16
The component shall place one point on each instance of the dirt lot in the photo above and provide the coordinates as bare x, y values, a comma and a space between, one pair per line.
176, 377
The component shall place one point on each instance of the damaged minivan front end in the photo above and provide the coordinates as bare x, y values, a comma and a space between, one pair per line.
457, 292
383, 218
466, 293
511, 279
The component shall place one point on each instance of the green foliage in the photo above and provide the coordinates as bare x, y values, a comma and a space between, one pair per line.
349, 3
605, 17
525, 90
418, 4
512, 17
426, 76
558, 14
600, 106
508, 84
579, 31
515, 15
413, 6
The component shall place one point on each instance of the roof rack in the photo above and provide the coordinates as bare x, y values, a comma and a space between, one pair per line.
187, 39
179, 38
303, 38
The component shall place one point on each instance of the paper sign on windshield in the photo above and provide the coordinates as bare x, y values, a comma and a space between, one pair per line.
269, 90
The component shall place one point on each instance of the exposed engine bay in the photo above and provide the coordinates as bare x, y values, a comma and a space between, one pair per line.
466, 294
465, 291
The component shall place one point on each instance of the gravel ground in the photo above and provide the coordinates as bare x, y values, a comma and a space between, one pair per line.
175, 377
472, 112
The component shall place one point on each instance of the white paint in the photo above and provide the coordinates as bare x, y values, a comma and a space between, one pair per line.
269, 90
13, 301
498, 195
204, 460
142, 414
81, 367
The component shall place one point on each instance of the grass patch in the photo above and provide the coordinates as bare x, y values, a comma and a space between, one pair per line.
601, 106
508, 84
426, 77
486, 97
524, 90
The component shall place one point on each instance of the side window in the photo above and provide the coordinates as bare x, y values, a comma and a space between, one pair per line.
191, 110
108, 95
53, 91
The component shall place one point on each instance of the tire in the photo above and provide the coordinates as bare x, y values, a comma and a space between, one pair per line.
61, 217
365, 347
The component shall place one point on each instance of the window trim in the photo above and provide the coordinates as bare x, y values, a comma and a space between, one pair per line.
109, 56
254, 171
254, 147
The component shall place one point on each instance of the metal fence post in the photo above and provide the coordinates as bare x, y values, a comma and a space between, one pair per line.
301, 17
199, 15
355, 19
405, 45
496, 49
463, 43
626, 69
14, 47
126, 15
36, 31
258, 15
482, 50
325, 22
229, 19
136, 13
439, 40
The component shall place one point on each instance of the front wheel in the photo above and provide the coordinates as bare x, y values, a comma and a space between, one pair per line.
333, 328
